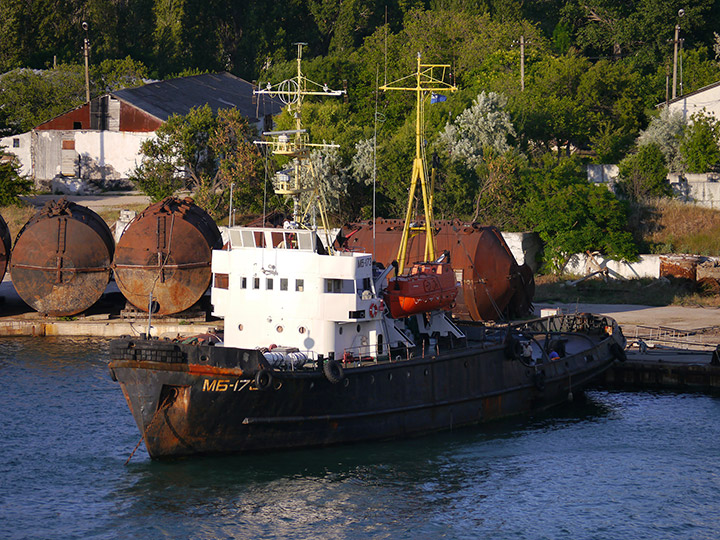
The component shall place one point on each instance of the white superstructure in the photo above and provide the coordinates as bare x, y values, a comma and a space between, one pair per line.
279, 288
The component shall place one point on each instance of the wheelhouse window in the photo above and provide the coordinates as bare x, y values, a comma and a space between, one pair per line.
256, 283
338, 286
269, 284
283, 284
299, 285
243, 283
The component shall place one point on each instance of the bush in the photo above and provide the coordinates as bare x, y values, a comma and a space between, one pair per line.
11, 183
644, 174
699, 147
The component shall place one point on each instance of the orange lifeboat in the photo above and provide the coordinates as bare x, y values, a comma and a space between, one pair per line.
427, 287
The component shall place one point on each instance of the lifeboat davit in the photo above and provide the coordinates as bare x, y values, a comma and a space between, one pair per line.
428, 286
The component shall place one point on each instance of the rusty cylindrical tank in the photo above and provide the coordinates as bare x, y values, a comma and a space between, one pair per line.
492, 283
166, 251
5, 247
61, 260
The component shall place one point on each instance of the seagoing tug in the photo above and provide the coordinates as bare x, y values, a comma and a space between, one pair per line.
322, 346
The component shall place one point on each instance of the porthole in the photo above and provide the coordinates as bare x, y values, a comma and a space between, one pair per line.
346, 382
301, 330
340, 330
279, 328
408, 374
389, 376
240, 327
358, 328
426, 372
372, 379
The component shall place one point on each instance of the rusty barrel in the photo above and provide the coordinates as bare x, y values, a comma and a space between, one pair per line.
493, 285
60, 264
5, 247
166, 251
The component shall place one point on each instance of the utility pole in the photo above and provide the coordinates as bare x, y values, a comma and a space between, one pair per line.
675, 58
676, 42
522, 63
86, 50
522, 43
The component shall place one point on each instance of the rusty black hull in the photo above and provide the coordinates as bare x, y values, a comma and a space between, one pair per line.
196, 399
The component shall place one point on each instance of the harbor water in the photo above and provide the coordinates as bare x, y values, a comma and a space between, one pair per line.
619, 465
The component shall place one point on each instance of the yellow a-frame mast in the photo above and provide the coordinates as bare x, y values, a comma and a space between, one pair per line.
428, 79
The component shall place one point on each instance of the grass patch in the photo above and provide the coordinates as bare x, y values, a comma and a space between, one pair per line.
16, 217
683, 228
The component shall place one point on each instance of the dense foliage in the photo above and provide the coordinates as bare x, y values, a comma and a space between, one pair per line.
11, 183
204, 153
593, 76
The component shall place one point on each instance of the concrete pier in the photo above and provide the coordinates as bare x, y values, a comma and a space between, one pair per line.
102, 320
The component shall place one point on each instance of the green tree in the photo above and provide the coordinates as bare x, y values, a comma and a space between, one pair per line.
482, 125
116, 74
572, 216
644, 173
178, 156
666, 130
204, 153
238, 163
30, 97
11, 183
699, 146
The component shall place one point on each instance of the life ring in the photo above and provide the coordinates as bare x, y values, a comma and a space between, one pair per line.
373, 310
263, 379
618, 352
333, 371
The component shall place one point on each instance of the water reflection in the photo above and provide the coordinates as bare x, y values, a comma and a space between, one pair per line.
435, 482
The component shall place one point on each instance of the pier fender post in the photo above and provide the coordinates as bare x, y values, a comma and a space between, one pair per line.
263, 380
333, 371
618, 352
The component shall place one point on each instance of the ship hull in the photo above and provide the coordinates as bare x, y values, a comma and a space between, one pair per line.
214, 402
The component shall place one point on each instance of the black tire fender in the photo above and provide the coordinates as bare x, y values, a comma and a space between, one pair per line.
333, 371
263, 380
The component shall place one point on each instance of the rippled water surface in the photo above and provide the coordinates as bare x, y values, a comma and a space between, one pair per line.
621, 466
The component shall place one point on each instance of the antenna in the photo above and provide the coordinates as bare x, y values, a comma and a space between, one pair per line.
301, 176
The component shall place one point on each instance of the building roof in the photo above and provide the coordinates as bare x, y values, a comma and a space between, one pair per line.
219, 90
690, 94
